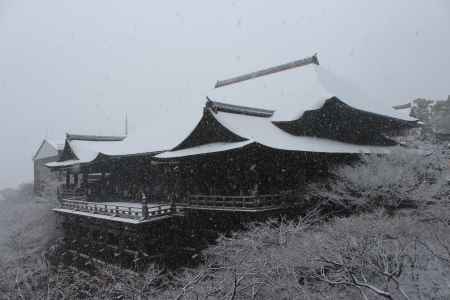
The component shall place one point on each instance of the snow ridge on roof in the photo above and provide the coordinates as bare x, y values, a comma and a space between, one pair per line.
103, 138
57, 144
289, 93
402, 106
296, 90
294, 64
238, 109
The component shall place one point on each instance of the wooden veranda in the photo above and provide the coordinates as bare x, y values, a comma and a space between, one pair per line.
143, 212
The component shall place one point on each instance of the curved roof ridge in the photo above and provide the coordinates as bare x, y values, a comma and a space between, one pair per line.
290, 65
96, 138
238, 109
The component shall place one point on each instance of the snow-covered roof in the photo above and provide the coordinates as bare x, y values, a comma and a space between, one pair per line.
87, 151
204, 149
143, 141
296, 90
253, 128
57, 144
48, 148
261, 130
291, 93
66, 163
404, 113
264, 132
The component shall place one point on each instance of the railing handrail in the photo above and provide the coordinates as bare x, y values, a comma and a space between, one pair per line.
144, 212
240, 201
110, 205
280, 194
131, 212
90, 204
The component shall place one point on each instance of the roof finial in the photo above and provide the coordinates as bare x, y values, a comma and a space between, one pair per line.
315, 59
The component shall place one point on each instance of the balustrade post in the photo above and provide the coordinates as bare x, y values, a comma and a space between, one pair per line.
58, 194
75, 180
144, 210
116, 214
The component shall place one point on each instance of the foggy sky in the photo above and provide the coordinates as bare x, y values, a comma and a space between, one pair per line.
78, 66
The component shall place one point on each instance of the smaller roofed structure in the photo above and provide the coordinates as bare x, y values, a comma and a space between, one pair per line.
48, 151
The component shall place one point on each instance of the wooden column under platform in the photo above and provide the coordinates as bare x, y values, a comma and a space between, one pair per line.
67, 179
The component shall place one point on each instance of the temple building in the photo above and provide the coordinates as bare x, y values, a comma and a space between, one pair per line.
130, 199
48, 151
236, 157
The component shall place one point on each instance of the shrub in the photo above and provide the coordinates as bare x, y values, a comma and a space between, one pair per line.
371, 256
400, 179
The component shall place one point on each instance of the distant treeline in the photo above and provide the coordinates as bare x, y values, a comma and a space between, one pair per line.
435, 114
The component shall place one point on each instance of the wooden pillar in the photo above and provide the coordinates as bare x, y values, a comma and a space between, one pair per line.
84, 182
175, 186
75, 179
144, 209
67, 179
103, 187
110, 184
183, 181
149, 183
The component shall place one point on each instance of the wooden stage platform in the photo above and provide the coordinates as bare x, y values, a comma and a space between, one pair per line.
139, 213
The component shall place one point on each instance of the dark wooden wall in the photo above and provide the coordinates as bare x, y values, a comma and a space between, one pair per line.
246, 171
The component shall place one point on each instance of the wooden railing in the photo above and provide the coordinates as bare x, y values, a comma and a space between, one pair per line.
138, 211
143, 212
253, 201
